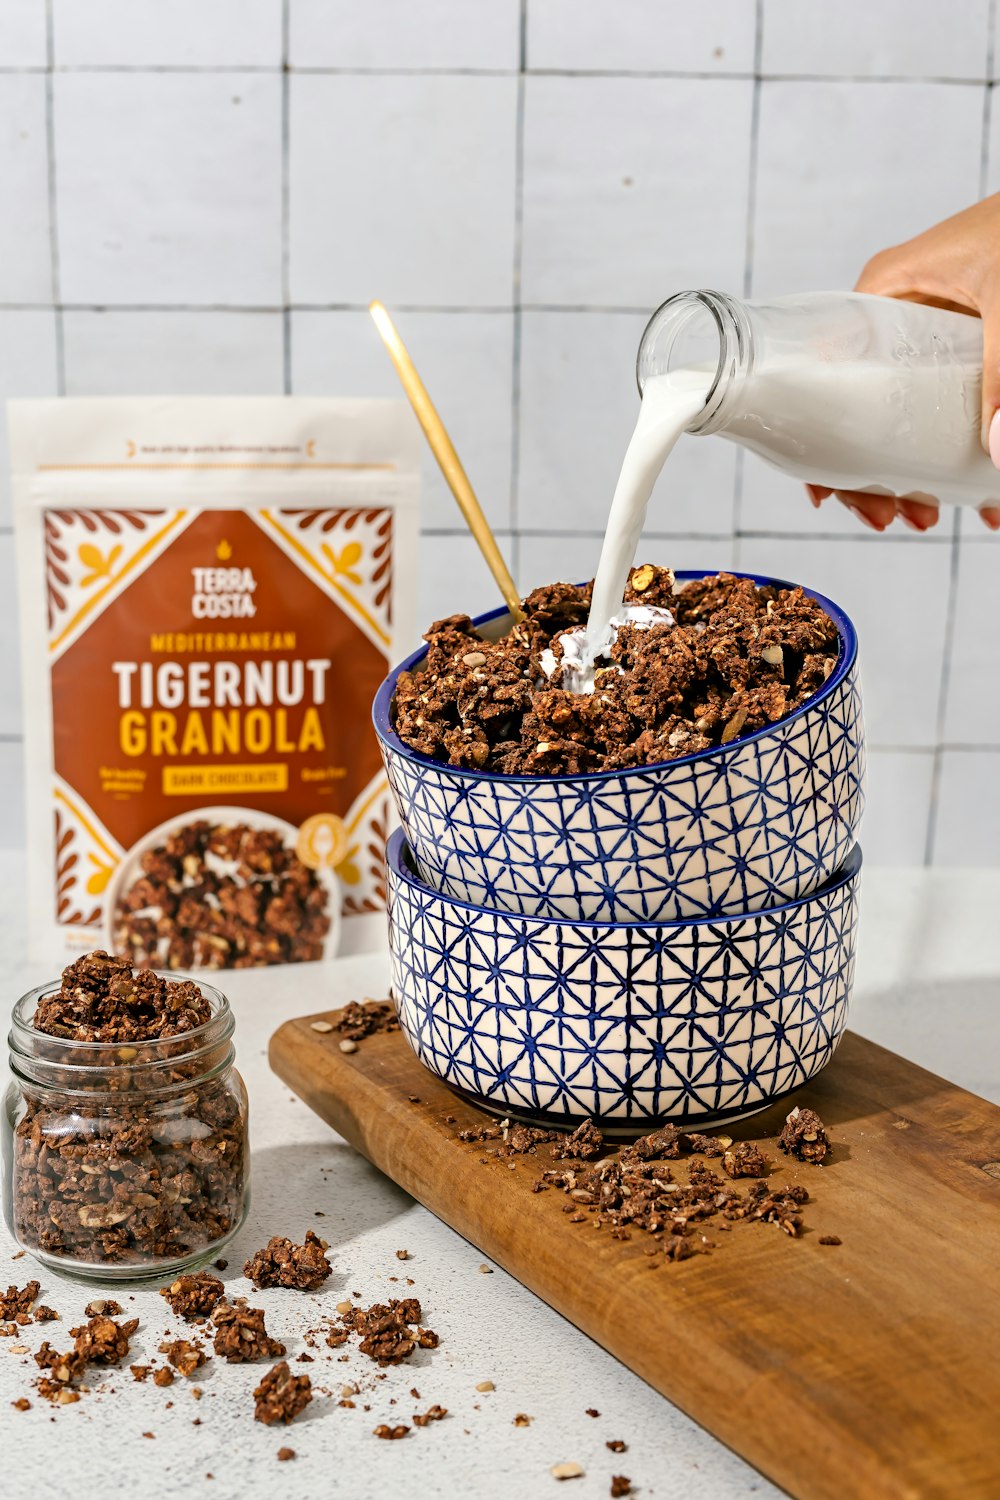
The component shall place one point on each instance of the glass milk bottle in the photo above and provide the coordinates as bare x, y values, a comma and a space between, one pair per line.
835, 388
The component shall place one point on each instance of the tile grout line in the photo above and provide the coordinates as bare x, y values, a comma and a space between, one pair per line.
286, 316
718, 76
516, 331
50, 151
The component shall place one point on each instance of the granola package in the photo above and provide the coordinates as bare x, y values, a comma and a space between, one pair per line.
211, 591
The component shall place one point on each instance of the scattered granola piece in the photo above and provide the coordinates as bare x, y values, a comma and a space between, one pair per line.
21, 1404
707, 1145
241, 1336
403, 1255
830, 1239
521, 1419
620, 1485
194, 1296
347, 1046
281, 1395
284, 1454
616, 1445
486, 1270
584, 1144
183, 1355
486, 1385
103, 1306
432, 1414
390, 1433
356, 1021
592, 1412
102, 1341
139, 1372
44, 1314
164, 1376
566, 1471
281, 1263
15, 1304
745, 1160
321, 1026
804, 1135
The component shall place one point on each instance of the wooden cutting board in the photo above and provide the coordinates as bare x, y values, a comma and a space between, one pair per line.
842, 1372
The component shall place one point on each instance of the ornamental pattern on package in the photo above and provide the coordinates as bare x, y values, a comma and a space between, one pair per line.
211, 592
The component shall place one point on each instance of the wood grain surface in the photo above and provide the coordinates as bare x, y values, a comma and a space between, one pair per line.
842, 1372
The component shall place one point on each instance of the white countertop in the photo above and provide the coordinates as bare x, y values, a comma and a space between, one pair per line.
928, 985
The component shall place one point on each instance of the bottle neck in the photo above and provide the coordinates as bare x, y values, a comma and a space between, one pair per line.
700, 330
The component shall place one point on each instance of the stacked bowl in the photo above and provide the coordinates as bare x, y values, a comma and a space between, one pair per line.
672, 942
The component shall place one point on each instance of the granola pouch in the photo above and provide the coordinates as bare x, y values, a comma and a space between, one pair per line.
211, 591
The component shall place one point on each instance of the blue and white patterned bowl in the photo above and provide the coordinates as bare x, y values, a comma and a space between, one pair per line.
626, 1024
736, 828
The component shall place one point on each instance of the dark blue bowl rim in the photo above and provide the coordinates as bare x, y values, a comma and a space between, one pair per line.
397, 845
382, 706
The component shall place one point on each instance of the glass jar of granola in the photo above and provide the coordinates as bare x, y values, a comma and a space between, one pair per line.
125, 1127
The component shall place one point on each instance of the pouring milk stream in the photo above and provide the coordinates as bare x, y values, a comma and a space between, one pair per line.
835, 388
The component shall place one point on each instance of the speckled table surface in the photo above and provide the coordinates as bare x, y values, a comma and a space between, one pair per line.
928, 985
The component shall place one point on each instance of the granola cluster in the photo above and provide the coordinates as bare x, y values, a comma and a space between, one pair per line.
220, 896
281, 1263
154, 1168
727, 659
385, 1330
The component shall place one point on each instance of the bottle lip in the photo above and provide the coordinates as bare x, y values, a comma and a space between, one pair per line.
66, 1062
735, 346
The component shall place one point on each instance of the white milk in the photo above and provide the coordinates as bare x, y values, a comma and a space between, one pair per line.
669, 404
908, 431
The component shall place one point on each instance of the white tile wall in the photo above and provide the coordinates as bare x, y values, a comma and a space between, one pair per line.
402, 188
390, 34
899, 797
545, 556
968, 822
154, 353
842, 172
466, 360
897, 597
522, 180
179, 34
22, 34
453, 577
641, 36
973, 703
169, 187
25, 259
579, 402
865, 40
633, 187
28, 367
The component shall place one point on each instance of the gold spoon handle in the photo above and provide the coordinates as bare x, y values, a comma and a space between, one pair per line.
444, 451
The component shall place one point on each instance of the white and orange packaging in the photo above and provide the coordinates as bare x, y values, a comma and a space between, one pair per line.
211, 591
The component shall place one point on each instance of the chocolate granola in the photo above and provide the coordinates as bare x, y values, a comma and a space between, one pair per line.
194, 1296
240, 1335
159, 1172
281, 1263
185, 1356
222, 896
804, 1135
727, 658
281, 1395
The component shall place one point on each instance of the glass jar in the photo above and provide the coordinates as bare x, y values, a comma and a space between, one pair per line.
125, 1162
836, 388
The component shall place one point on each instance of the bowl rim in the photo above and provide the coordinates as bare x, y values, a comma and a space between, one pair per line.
397, 846
382, 704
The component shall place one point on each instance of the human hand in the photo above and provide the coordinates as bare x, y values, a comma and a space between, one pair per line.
955, 265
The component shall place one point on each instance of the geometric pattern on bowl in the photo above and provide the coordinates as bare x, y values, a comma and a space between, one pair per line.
737, 828
628, 1024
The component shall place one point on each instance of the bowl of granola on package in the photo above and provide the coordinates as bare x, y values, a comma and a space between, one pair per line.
226, 888
716, 768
